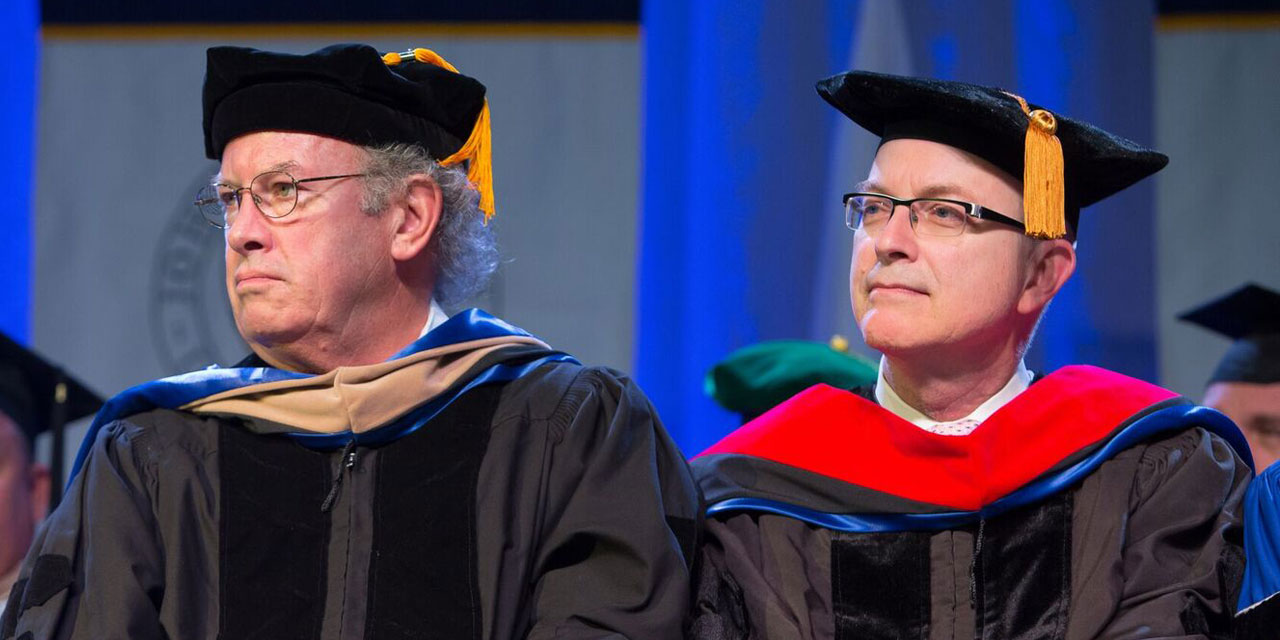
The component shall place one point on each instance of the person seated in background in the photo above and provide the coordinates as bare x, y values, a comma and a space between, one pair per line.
376, 468
962, 495
1246, 383
1246, 386
35, 397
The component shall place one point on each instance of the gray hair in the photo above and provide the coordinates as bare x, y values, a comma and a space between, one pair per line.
464, 247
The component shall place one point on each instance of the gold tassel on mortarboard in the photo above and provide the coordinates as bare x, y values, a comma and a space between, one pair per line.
1043, 184
478, 149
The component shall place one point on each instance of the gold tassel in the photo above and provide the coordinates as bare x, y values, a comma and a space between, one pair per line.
477, 150
1043, 184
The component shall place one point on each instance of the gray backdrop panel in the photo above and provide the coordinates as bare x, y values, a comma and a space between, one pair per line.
1216, 220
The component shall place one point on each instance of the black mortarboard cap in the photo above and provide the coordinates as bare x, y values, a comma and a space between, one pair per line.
996, 126
1249, 315
350, 92
29, 391
38, 396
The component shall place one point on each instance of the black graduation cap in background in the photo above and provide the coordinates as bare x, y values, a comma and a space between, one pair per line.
1249, 315
39, 397
1064, 164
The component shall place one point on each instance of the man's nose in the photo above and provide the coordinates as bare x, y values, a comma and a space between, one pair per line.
897, 239
248, 229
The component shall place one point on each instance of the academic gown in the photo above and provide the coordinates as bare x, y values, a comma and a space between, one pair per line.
1258, 613
477, 485
1092, 505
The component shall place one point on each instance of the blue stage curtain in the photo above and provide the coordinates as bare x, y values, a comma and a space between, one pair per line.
734, 144
737, 193
19, 28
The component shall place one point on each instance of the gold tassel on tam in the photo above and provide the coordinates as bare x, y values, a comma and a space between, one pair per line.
477, 151
1043, 184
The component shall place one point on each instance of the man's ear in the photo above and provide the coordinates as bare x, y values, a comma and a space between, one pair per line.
417, 218
40, 487
1051, 264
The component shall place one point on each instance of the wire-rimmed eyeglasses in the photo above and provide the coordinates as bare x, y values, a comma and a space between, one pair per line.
870, 212
274, 193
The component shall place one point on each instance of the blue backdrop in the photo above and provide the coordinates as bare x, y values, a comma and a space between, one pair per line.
19, 21
736, 170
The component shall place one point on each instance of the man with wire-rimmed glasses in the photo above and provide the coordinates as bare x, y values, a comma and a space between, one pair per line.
963, 496
376, 468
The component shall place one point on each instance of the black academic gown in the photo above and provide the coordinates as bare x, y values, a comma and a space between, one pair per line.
534, 498
1091, 506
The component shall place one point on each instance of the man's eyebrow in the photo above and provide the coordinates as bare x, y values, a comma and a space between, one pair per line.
941, 190
287, 165
944, 190
282, 166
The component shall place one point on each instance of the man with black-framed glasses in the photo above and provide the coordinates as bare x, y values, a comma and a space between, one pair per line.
376, 468
963, 496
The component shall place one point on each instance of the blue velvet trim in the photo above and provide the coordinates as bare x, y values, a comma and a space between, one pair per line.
175, 391
471, 324
1159, 421
1261, 539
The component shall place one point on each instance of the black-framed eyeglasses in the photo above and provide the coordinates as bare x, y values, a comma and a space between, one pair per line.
870, 212
275, 193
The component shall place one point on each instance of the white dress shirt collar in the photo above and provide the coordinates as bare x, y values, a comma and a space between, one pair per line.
434, 319
892, 402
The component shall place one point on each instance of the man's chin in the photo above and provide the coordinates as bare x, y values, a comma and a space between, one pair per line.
888, 337
267, 329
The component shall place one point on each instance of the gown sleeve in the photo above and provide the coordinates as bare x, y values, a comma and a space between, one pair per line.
1182, 556
618, 532
101, 582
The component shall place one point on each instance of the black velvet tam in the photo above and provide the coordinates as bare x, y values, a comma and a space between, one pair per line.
1250, 315
28, 391
990, 124
344, 91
